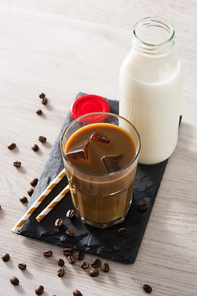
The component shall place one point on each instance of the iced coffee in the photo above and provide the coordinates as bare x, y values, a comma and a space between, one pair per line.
101, 161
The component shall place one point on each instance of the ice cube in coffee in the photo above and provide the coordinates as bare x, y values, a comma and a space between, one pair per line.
79, 152
111, 162
98, 136
100, 162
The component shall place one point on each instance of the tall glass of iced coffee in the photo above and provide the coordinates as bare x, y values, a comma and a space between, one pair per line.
100, 153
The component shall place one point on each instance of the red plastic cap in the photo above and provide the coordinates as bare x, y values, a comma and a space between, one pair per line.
88, 104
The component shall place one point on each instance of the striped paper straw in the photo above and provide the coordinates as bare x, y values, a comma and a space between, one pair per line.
38, 201
52, 204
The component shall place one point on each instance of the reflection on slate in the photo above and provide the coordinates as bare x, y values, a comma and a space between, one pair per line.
106, 243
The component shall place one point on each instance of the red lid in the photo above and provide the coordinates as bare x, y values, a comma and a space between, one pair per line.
88, 104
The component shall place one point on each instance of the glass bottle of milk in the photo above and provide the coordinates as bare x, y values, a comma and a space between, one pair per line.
150, 88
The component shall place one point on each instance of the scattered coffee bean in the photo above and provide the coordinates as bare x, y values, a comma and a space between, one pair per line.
105, 267
44, 101
14, 281
77, 293
80, 255
12, 146
48, 253
48, 180
60, 272
147, 288
22, 266
67, 252
122, 231
5, 257
142, 206
96, 263
39, 290
59, 222
23, 199
71, 259
30, 191
70, 214
42, 95
69, 232
94, 272
84, 265
34, 182
39, 111
42, 139
35, 147
17, 164
60, 262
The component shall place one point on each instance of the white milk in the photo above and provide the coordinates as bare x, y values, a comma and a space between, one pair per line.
150, 93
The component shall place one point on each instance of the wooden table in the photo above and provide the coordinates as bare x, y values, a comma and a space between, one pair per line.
61, 48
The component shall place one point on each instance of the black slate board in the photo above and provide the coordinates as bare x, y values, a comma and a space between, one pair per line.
106, 243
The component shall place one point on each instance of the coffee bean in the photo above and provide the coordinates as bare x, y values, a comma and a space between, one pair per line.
71, 259
48, 253
5, 257
105, 267
23, 199
80, 255
147, 288
96, 263
14, 281
17, 164
77, 293
94, 272
22, 266
84, 265
39, 111
30, 191
60, 262
35, 147
42, 95
42, 139
34, 182
69, 232
67, 252
70, 214
44, 101
122, 231
39, 290
142, 206
11, 146
59, 222
60, 272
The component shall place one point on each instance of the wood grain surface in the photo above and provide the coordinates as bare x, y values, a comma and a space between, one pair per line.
61, 48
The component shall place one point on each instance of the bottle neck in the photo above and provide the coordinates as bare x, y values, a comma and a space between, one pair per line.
153, 36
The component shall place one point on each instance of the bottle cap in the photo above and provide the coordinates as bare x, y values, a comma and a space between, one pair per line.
87, 104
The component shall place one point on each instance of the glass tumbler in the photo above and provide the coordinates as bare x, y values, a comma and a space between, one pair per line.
101, 200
